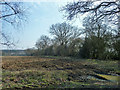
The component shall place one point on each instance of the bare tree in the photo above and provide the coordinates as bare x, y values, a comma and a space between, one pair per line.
13, 13
98, 29
43, 42
63, 35
100, 9
64, 32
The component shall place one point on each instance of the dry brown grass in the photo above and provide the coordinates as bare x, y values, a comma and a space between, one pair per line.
22, 62
27, 69
18, 63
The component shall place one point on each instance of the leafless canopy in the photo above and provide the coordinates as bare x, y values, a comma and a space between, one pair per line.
100, 9
64, 32
43, 42
13, 13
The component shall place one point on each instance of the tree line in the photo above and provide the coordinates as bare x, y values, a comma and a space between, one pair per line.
101, 32
96, 40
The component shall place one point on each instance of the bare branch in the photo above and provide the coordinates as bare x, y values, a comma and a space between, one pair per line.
12, 13
81, 7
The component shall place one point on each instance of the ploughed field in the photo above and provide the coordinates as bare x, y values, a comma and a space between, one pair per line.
58, 72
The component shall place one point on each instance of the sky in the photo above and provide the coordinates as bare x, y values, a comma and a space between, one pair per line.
41, 16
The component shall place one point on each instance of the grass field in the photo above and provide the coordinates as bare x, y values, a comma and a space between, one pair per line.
56, 72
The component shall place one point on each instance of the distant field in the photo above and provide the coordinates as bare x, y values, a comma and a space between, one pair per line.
56, 72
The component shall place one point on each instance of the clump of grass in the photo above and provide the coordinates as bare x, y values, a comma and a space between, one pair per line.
40, 78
